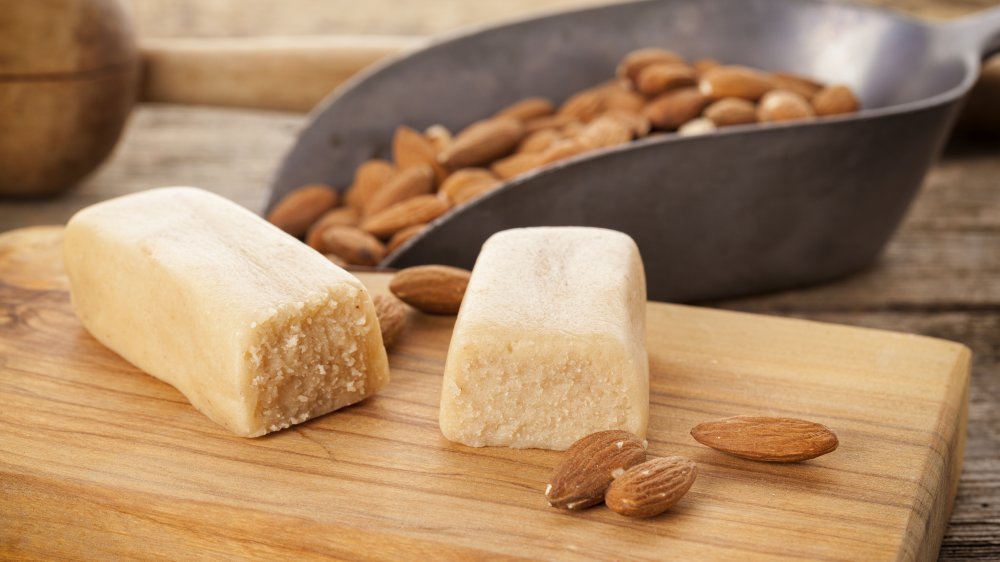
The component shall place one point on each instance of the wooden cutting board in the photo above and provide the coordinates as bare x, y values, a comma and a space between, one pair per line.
100, 461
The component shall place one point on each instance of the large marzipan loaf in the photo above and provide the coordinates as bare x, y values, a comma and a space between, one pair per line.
256, 329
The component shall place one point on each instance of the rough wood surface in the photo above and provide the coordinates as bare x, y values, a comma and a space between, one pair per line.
102, 461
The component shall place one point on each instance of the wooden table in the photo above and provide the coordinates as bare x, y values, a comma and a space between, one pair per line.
940, 276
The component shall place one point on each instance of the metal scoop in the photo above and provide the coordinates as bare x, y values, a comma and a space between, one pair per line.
745, 209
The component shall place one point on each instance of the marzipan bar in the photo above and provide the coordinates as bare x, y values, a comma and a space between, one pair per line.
549, 345
256, 329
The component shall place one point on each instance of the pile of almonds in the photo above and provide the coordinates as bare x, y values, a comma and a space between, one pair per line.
656, 91
611, 466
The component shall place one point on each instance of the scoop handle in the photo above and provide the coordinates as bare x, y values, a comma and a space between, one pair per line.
979, 32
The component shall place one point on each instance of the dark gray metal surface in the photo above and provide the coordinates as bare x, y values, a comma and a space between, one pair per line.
743, 210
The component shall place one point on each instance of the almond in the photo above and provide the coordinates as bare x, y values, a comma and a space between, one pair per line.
354, 245
590, 465
509, 167
701, 66
663, 76
336, 260
805, 87
735, 82
731, 111
695, 127
475, 179
413, 181
652, 487
604, 132
528, 109
483, 142
415, 210
435, 289
391, 313
556, 121
343, 216
622, 97
783, 105
369, 178
585, 105
562, 150
403, 236
410, 148
672, 109
835, 100
767, 439
439, 136
633, 63
539, 140
301, 207
634, 120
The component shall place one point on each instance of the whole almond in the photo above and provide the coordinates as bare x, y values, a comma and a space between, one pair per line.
343, 216
562, 150
528, 109
506, 168
411, 148
435, 289
483, 142
391, 313
783, 105
557, 121
701, 66
695, 127
633, 63
403, 236
766, 438
584, 105
475, 179
539, 140
652, 487
369, 178
604, 132
620, 96
663, 76
835, 100
439, 136
672, 109
302, 207
354, 245
415, 210
590, 465
634, 120
413, 181
731, 111
801, 85
735, 82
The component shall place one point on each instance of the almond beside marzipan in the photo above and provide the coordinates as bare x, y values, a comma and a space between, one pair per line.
590, 465
413, 181
482, 142
415, 210
435, 289
354, 245
768, 439
301, 207
652, 487
391, 313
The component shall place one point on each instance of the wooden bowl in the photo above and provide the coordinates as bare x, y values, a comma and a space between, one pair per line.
68, 76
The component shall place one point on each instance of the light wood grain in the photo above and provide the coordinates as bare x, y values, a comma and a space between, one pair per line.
102, 461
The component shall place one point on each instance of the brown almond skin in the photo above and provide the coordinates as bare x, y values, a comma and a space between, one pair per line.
603, 132
735, 82
391, 313
634, 120
590, 465
415, 210
731, 111
505, 168
661, 77
413, 181
411, 148
369, 178
701, 66
835, 100
354, 245
801, 85
556, 121
464, 178
584, 105
434, 289
620, 96
562, 150
343, 216
671, 110
298, 210
769, 439
650, 488
539, 140
483, 142
403, 235
633, 63
528, 109
784, 105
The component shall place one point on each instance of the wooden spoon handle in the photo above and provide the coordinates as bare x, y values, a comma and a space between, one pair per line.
282, 73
